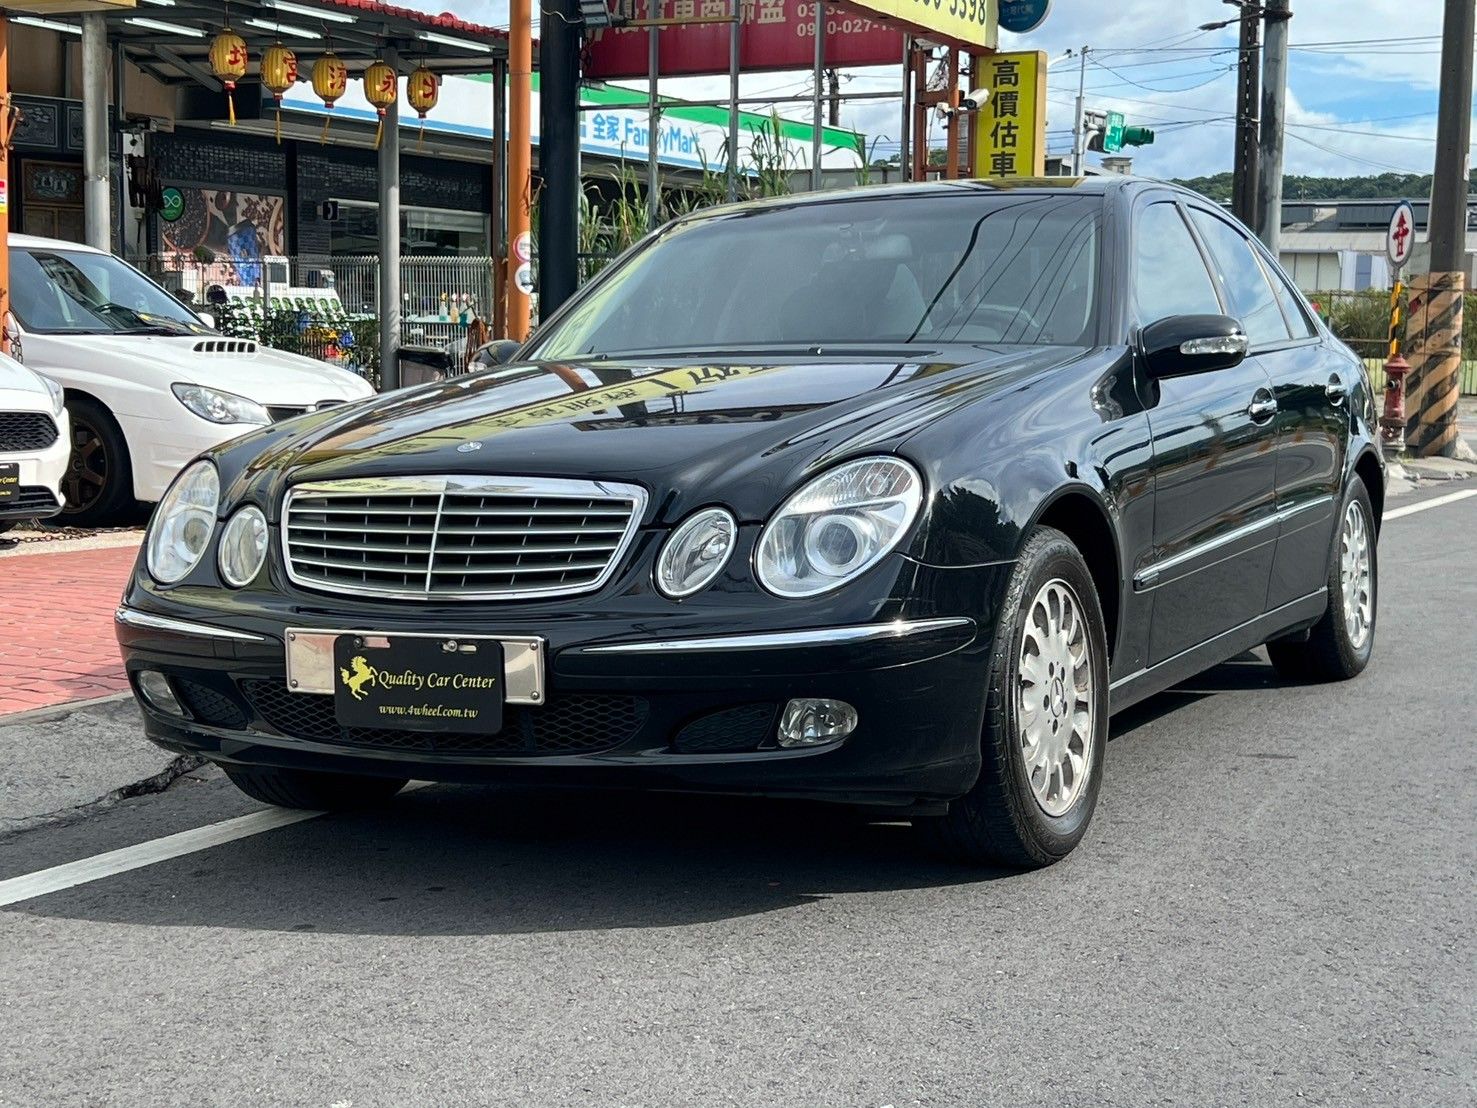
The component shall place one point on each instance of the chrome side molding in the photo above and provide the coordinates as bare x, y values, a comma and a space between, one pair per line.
132, 617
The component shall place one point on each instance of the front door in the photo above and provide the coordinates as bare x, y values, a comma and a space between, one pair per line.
1214, 439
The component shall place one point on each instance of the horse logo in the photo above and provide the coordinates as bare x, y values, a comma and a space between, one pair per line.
363, 674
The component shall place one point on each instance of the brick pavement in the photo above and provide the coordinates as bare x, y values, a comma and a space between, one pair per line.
56, 626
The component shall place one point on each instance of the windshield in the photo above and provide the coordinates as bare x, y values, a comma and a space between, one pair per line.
78, 292
976, 267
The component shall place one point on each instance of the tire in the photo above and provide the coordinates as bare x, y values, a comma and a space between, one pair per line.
1340, 644
294, 788
99, 480
1001, 821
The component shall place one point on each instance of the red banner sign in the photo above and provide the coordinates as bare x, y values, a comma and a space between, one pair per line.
775, 34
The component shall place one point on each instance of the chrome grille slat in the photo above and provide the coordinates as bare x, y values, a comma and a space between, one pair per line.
365, 547
423, 537
474, 531
487, 571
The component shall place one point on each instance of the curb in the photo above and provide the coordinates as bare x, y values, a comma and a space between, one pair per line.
64, 708
31, 547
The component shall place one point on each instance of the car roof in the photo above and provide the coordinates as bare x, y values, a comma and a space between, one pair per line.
35, 241
1101, 185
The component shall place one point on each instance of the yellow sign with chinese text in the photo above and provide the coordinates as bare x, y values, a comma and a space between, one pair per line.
1010, 130
963, 23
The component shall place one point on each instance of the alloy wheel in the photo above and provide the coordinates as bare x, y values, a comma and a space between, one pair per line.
88, 471
1054, 697
1355, 574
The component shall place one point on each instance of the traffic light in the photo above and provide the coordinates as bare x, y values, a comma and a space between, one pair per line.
1107, 134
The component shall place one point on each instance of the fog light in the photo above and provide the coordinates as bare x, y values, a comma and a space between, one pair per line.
813, 722
155, 689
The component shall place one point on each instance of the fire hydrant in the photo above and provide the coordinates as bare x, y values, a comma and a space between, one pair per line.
1392, 422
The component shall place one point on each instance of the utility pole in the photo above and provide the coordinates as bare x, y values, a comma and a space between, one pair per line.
561, 36
815, 112
1244, 171
1079, 126
1274, 117
833, 94
1435, 318
518, 279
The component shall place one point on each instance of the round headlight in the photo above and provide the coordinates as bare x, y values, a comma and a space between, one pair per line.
838, 526
183, 523
243, 547
696, 553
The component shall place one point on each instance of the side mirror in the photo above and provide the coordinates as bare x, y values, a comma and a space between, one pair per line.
1184, 344
207, 318
497, 352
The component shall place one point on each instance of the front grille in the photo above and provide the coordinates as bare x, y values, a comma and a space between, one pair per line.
581, 724
26, 431
728, 731
459, 538
31, 498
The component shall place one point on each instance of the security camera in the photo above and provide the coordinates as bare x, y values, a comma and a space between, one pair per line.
974, 100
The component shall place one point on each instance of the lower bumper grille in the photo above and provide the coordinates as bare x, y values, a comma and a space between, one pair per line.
730, 731
31, 500
567, 725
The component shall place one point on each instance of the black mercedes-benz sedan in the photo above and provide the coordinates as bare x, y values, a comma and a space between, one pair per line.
887, 496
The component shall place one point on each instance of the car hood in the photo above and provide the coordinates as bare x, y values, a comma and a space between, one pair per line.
270, 377
19, 385
739, 432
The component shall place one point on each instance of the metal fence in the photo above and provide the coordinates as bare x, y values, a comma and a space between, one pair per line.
1362, 319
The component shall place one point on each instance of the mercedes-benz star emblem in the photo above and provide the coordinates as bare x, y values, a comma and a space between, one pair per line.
468, 447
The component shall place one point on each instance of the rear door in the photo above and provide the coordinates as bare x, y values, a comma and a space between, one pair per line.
1214, 444
1310, 385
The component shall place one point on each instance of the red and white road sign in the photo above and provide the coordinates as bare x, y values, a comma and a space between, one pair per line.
1400, 239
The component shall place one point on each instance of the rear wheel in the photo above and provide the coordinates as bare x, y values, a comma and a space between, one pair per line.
1046, 718
1340, 644
295, 788
99, 480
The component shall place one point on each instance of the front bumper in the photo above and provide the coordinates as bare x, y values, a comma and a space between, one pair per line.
41, 473
666, 712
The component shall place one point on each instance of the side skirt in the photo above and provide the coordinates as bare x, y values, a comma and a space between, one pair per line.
1127, 691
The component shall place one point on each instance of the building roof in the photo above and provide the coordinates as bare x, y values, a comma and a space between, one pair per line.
172, 43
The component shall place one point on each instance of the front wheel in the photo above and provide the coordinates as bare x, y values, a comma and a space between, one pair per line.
1046, 718
1340, 644
98, 484
295, 788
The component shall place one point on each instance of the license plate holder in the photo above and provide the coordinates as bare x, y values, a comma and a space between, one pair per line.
419, 683
10, 482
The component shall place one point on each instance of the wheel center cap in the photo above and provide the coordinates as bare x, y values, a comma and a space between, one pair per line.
1058, 697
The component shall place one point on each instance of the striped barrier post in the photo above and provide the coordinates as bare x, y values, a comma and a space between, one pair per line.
1434, 339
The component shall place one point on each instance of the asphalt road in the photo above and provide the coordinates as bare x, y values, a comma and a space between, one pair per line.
1274, 905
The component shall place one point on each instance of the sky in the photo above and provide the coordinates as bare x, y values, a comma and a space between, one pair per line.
1362, 82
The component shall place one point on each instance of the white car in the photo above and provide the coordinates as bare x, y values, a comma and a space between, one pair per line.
33, 444
148, 384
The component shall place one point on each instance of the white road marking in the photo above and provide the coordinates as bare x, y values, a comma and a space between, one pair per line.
66, 876
1434, 502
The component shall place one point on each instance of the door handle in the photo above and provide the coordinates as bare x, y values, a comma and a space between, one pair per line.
1335, 390
1263, 406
